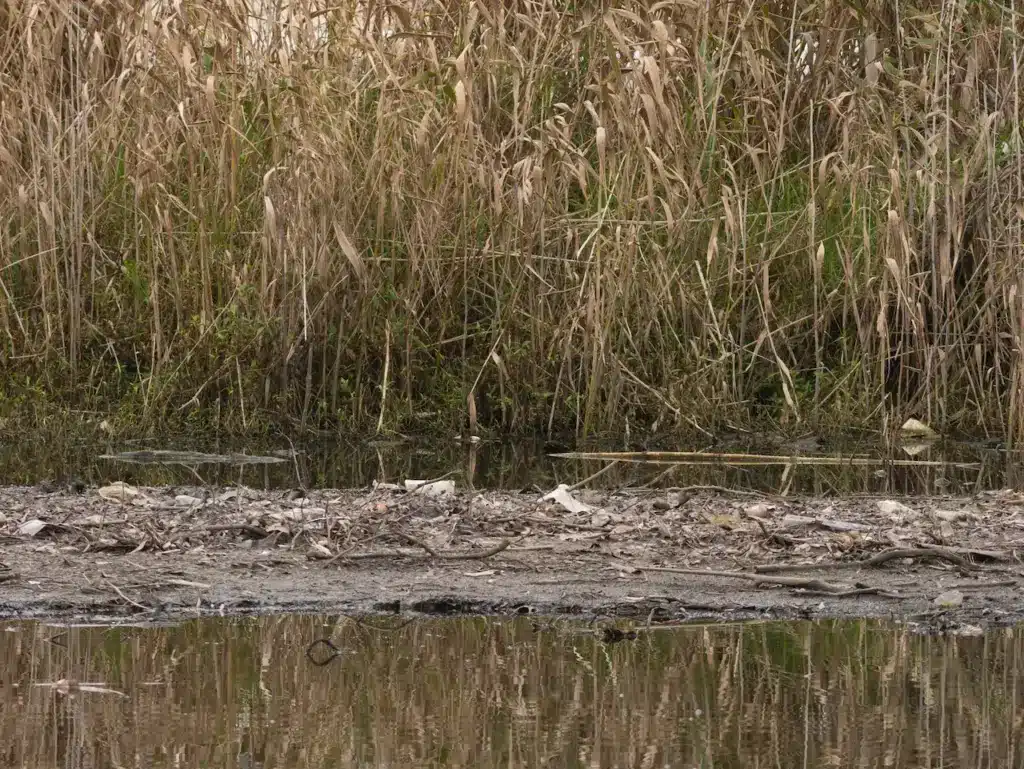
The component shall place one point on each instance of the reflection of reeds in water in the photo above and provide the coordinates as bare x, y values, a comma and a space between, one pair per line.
512, 465
481, 693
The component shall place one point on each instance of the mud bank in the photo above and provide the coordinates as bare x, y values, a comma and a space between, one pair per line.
126, 554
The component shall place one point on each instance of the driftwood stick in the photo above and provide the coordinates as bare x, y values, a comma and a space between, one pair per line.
471, 555
924, 552
874, 561
811, 584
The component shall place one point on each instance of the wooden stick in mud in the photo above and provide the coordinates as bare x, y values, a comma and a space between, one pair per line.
471, 556
874, 561
812, 584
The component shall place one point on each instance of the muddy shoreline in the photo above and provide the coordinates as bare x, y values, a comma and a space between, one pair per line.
141, 555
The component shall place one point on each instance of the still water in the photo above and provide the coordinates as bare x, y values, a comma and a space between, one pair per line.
492, 693
958, 468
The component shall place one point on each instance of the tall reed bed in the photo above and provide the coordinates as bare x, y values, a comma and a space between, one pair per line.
543, 214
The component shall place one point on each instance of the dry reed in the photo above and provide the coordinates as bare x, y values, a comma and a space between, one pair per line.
586, 216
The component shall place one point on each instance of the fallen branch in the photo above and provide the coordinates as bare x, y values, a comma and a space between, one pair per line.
772, 536
431, 552
136, 604
418, 542
470, 556
924, 552
984, 555
187, 583
874, 561
722, 490
254, 532
856, 591
812, 584
986, 585
697, 572
593, 476
820, 587
781, 568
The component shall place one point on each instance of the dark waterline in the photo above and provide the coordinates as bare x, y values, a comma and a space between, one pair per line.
491, 693
511, 465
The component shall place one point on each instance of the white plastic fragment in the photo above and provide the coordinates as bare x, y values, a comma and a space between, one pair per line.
950, 599
431, 488
32, 528
562, 496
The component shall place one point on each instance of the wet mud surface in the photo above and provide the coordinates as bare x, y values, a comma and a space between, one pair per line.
126, 554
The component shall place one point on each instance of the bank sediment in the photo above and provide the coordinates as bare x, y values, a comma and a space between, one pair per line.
126, 554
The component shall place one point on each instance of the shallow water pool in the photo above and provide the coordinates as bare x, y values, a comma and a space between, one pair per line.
302, 691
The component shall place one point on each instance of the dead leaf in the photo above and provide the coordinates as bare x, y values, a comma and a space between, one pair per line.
918, 429
727, 522
895, 510
321, 549
953, 515
353, 256
915, 449
119, 491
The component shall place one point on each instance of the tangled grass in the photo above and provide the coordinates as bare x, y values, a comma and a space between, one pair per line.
541, 214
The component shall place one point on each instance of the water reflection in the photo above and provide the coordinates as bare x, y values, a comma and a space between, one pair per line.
512, 465
488, 693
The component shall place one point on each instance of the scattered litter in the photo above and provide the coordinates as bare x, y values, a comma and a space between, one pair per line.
193, 537
968, 630
951, 599
119, 491
562, 496
431, 488
32, 528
